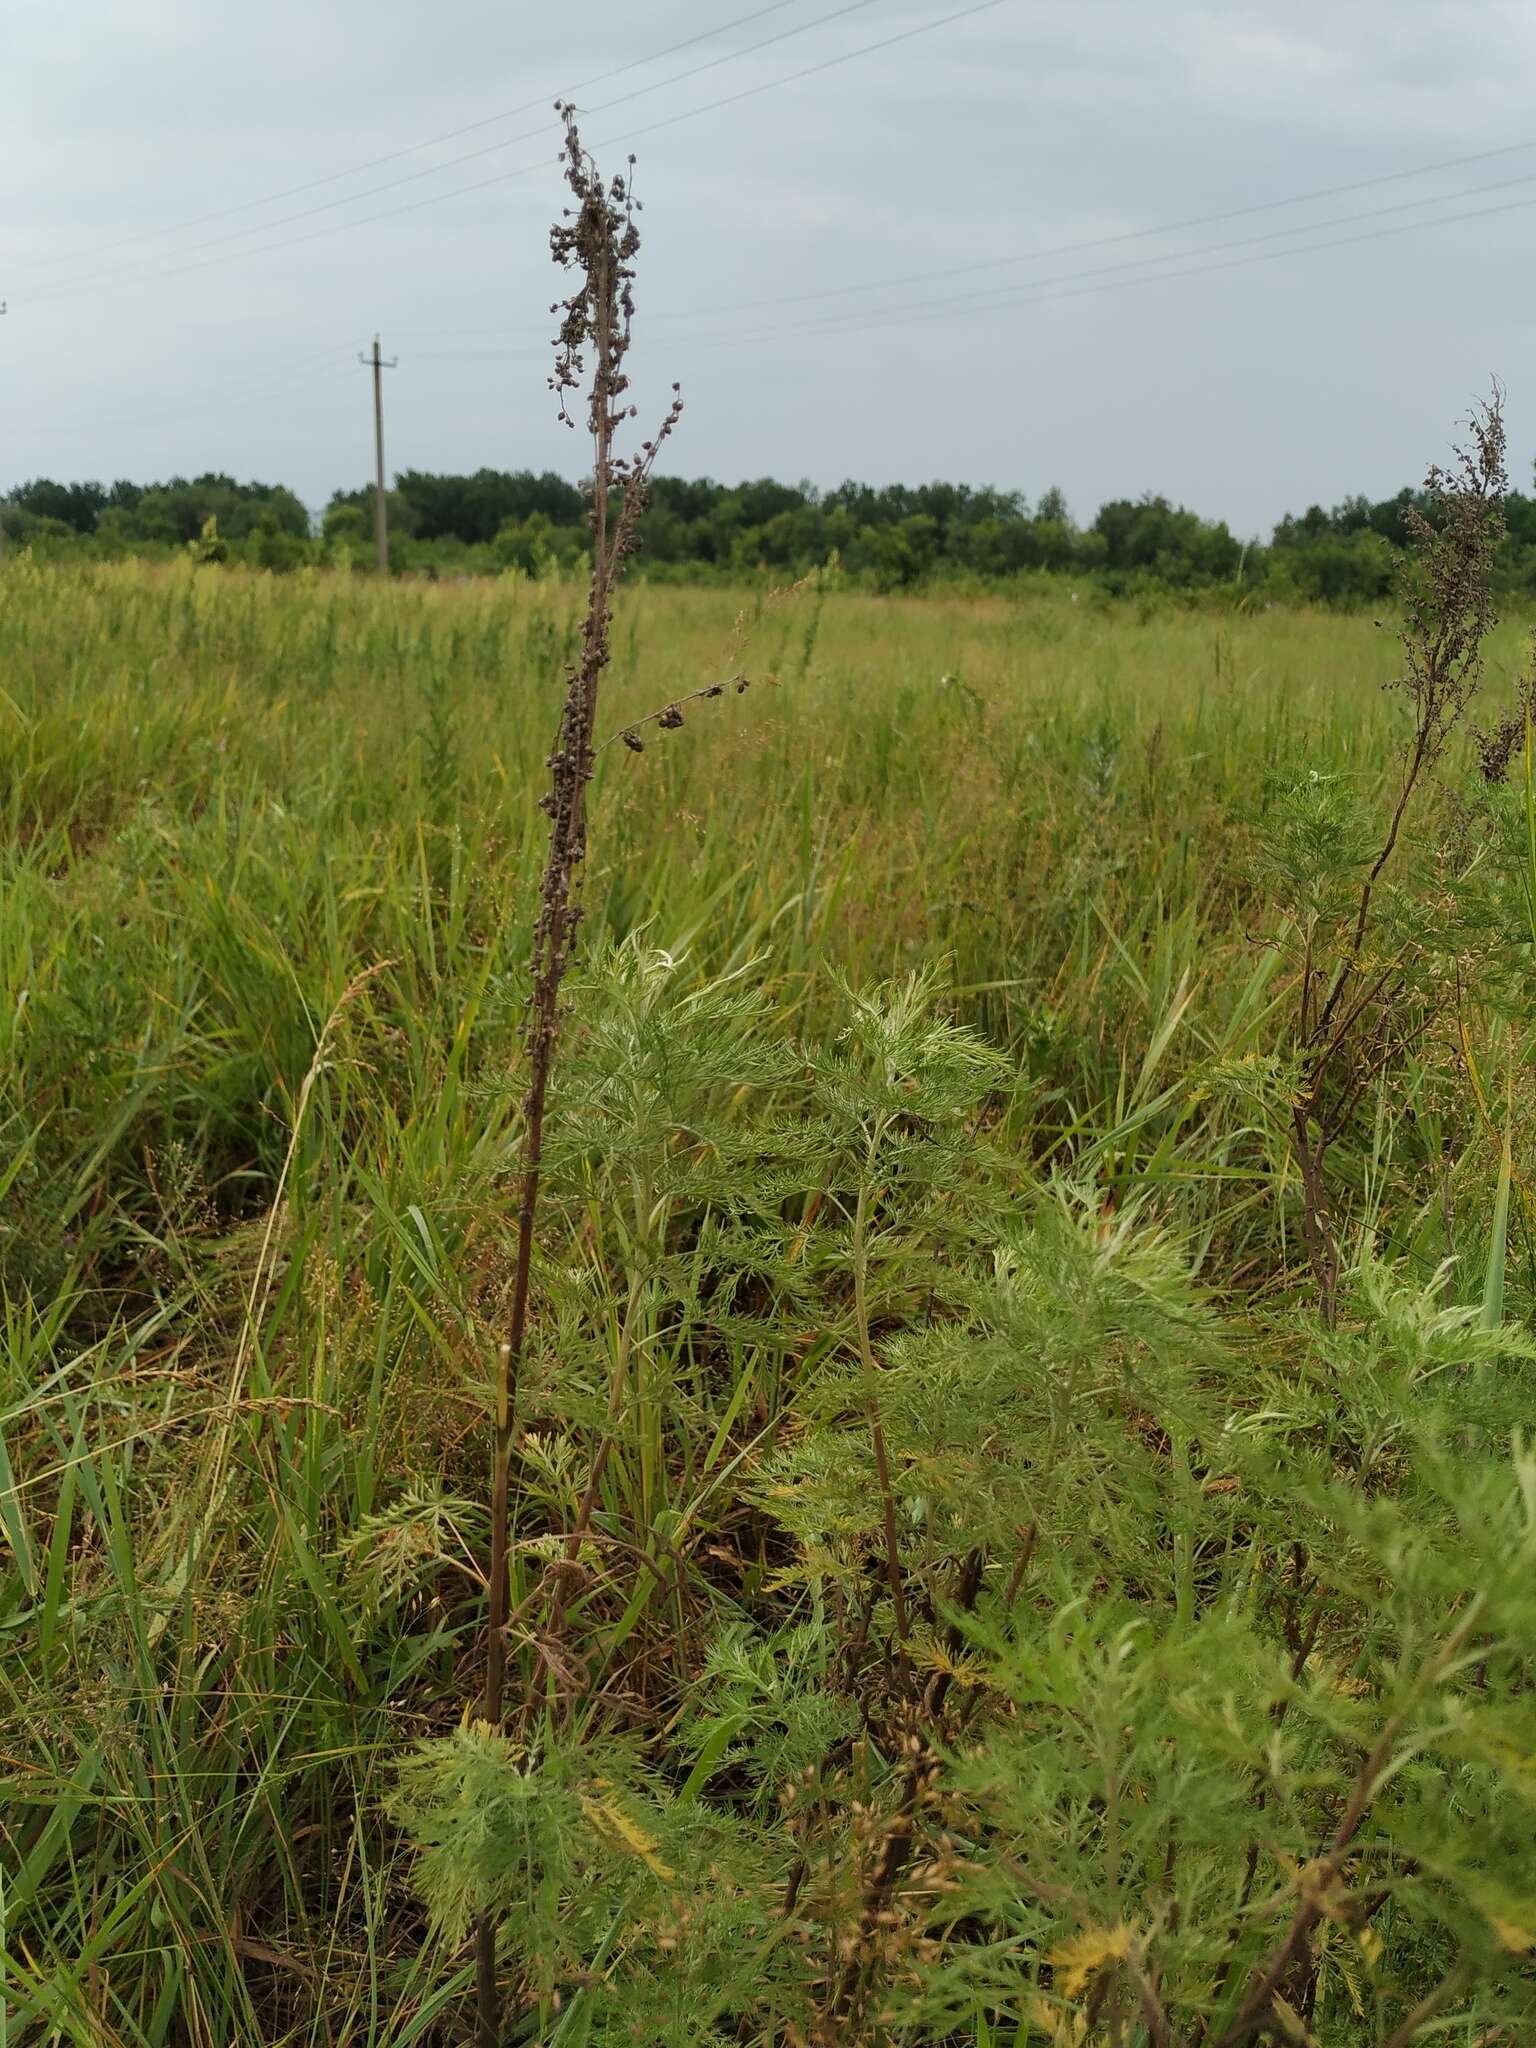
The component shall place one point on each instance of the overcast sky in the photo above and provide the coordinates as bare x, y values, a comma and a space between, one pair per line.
791, 237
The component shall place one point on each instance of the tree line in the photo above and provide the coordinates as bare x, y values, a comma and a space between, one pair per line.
890, 537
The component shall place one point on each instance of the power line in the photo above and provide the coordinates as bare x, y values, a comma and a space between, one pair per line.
523, 170
905, 35
965, 300
1083, 247
450, 163
1077, 284
1049, 292
730, 56
1088, 283
1042, 294
1175, 227
134, 267
411, 149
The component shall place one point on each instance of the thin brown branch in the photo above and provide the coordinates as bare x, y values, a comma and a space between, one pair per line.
1294, 1945
669, 716
871, 1377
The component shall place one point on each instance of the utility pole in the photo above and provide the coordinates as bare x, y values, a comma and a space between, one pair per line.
380, 509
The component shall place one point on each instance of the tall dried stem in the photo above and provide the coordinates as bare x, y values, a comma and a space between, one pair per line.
1347, 1032
596, 239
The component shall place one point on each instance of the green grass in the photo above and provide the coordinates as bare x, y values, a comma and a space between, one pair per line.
269, 852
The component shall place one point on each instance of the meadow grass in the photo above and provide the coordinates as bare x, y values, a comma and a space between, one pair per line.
269, 857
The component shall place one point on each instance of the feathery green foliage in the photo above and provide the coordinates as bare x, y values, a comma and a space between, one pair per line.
928, 1062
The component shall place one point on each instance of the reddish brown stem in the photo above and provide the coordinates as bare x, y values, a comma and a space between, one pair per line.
598, 247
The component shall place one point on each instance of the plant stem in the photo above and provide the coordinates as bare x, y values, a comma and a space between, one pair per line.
872, 1405
570, 771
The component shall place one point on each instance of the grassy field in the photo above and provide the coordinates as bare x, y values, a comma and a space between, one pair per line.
932, 1060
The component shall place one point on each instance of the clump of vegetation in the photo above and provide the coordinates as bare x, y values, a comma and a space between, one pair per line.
898, 537
963, 1570
1370, 978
